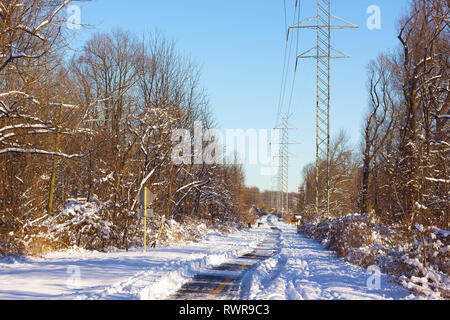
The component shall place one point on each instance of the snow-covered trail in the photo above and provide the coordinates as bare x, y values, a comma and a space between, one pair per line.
298, 269
224, 281
118, 275
304, 270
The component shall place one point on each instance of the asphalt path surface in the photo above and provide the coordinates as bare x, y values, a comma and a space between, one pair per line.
224, 282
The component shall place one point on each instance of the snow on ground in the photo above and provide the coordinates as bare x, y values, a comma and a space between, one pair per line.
301, 269
119, 275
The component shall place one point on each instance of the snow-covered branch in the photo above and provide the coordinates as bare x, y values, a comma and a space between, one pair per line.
52, 16
196, 184
437, 180
41, 152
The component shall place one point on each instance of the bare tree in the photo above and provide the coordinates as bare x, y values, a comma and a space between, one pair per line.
423, 68
28, 35
379, 121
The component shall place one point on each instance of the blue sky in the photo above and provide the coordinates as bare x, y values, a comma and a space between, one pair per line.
239, 45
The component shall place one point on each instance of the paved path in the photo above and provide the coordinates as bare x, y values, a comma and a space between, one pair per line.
224, 281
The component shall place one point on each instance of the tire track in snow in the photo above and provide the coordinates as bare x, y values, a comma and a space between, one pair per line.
303, 270
226, 281
161, 280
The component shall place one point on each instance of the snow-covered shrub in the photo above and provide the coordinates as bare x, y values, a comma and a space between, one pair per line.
420, 265
10, 244
81, 224
188, 231
194, 230
427, 263
349, 236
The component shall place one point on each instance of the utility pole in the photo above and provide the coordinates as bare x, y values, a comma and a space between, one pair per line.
323, 52
55, 162
55, 158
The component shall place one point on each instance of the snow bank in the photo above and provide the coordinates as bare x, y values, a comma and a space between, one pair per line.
363, 241
163, 280
82, 274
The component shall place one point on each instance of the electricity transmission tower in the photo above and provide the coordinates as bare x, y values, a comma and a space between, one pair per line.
274, 194
283, 171
323, 52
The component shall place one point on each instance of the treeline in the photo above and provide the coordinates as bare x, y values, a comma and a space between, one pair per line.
269, 201
401, 171
398, 181
92, 129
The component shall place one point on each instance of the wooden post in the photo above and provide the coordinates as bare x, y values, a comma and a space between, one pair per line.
145, 218
55, 162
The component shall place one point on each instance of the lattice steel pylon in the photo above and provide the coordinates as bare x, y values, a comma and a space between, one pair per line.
284, 165
283, 171
323, 52
274, 195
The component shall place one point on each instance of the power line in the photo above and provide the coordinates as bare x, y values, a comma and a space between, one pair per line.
288, 53
295, 71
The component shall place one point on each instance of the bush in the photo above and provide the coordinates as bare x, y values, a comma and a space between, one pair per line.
81, 224
364, 241
10, 245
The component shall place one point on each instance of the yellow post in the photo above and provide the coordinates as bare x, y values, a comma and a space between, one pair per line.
145, 218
